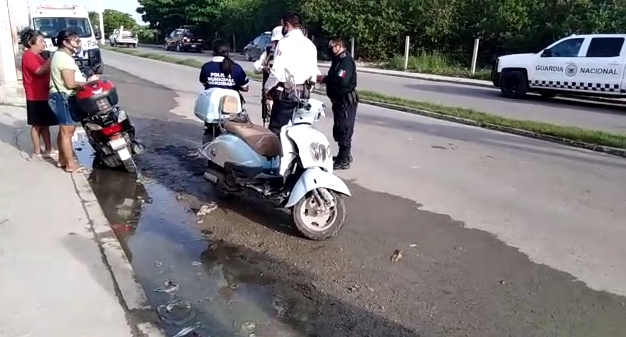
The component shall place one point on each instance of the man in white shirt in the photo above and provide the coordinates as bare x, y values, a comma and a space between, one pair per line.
296, 54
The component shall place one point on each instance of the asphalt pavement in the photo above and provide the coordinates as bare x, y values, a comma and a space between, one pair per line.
496, 231
585, 114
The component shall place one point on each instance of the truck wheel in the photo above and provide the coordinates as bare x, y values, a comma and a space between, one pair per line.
514, 84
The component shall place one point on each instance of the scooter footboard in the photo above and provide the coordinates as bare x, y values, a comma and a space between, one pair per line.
314, 178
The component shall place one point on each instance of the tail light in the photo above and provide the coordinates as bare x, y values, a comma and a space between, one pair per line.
112, 129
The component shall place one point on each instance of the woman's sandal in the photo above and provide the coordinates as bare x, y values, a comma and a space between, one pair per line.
79, 169
49, 155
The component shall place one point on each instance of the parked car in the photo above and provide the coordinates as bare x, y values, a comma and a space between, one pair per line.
256, 47
185, 38
121, 37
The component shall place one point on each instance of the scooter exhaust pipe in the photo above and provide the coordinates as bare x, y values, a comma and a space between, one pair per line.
211, 177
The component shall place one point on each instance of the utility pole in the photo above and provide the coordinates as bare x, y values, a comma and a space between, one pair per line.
101, 19
10, 90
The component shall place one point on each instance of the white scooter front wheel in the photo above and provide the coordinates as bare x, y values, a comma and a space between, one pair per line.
317, 222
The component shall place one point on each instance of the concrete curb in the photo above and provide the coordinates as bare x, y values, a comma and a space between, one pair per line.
563, 141
131, 294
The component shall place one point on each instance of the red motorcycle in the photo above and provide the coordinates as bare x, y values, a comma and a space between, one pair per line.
108, 127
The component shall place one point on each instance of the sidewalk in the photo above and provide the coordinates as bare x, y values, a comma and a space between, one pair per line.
56, 273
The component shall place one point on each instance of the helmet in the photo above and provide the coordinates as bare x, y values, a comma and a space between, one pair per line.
277, 33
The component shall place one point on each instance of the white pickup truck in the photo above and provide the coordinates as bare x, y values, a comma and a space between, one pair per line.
121, 37
588, 65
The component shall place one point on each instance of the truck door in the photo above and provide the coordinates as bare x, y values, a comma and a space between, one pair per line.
549, 68
602, 67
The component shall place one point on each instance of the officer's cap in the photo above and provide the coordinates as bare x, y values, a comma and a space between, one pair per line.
277, 33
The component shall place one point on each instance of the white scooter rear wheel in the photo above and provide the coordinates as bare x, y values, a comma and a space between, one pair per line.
315, 225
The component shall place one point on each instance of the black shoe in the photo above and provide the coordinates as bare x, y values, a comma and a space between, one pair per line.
341, 164
335, 158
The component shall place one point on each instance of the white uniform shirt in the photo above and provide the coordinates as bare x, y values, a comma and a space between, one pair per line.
296, 53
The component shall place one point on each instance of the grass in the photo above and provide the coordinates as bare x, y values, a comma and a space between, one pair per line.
567, 132
436, 64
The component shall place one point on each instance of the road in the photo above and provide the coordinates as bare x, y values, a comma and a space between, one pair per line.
496, 231
561, 111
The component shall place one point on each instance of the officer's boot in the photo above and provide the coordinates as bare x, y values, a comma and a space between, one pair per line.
349, 158
342, 161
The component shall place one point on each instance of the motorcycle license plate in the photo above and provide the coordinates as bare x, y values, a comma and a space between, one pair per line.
124, 154
117, 144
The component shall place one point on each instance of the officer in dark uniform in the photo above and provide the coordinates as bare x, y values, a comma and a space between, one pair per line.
341, 89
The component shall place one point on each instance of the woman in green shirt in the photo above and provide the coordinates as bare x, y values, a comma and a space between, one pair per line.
65, 78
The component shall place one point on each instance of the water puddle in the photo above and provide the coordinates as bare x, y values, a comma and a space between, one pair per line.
199, 287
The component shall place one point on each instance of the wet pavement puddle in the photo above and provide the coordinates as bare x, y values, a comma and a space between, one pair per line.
198, 287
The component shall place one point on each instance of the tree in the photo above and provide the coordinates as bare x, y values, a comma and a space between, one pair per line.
379, 27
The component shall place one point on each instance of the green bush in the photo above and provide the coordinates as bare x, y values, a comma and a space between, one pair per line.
435, 63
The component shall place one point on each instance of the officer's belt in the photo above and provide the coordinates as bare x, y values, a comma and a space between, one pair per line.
351, 98
304, 91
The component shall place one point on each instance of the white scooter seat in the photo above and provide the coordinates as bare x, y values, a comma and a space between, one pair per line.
262, 140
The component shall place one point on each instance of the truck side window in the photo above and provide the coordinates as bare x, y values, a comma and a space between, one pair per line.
567, 48
605, 46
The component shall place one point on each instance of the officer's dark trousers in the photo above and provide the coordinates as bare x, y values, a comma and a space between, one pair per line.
282, 110
344, 116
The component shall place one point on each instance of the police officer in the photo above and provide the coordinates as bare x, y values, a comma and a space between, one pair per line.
298, 55
222, 71
263, 65
341, 89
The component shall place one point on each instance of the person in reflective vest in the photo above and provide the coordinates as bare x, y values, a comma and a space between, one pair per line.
263, 65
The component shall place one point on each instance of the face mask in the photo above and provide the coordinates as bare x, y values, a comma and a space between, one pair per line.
331, 51
70, 46
284, 31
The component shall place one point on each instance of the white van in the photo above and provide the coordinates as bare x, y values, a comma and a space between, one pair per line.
52, 18
589, 65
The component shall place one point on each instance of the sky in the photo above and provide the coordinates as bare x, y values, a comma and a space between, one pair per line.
126, 6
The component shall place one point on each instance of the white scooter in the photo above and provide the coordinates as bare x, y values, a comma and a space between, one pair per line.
294, 171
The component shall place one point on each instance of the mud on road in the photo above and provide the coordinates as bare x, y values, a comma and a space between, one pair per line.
243, 269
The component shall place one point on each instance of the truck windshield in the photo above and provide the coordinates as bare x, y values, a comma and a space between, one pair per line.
52, 26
